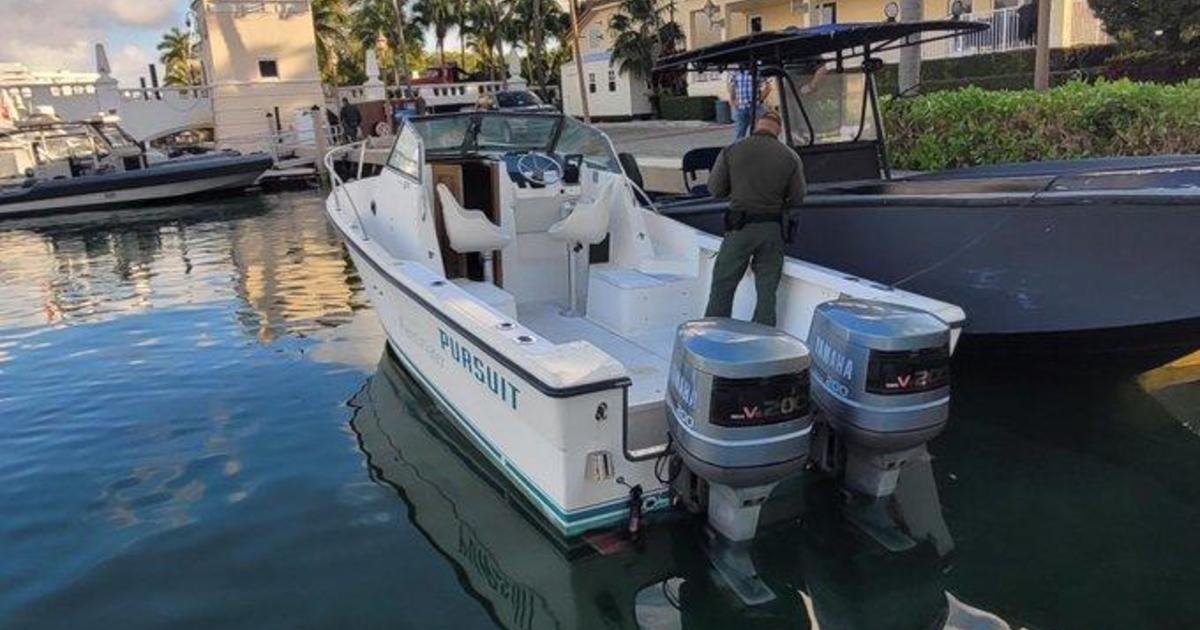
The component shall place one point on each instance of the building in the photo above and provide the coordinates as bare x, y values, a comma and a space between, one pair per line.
707, 22
260, 62
611, 93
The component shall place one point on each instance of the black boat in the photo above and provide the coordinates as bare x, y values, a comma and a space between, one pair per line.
55, 166
1097, 255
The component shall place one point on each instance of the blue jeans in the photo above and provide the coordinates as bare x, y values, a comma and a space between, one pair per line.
743, 120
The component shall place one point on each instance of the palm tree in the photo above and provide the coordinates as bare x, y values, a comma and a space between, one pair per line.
539, 19
642, 36
438, 15
378, 21
330, 20
485, 31
177, 52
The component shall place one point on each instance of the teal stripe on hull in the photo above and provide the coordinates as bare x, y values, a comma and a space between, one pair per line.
569, 522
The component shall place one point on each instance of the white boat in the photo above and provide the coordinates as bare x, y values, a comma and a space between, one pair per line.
543, 317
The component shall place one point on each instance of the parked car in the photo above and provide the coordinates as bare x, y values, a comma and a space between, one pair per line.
521, 101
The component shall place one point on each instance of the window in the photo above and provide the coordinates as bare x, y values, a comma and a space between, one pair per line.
268, 68
756, 24
612, 80
406, 153
1006, 4
595, 38
827, 13
967, 5
591, 83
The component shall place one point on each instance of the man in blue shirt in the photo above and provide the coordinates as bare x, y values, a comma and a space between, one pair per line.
741, 100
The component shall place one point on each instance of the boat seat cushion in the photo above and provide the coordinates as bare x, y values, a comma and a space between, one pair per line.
469, 230
588, 222
490, 294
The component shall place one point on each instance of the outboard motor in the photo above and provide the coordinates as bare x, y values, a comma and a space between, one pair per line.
739, 418
881, 382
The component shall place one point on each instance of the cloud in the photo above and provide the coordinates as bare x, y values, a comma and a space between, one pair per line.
59, 34
153, 13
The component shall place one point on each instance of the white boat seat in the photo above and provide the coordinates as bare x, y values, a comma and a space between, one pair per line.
469, 231
588, 222
586, 225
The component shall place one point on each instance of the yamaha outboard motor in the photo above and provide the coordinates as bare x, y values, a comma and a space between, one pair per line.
881, 382
740, 421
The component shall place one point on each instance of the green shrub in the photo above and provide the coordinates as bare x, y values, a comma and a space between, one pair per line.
973, 126
688, 107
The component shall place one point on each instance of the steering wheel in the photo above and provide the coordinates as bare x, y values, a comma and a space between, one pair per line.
539, 168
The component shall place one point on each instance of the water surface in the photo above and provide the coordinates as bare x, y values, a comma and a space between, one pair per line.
200, 427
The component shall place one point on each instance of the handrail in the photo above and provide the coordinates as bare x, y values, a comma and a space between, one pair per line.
338, 184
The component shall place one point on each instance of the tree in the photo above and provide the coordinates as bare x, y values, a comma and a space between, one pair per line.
642, 37
1166, 24
330, 22
487, 27
177, 52
376, 22
539, 20
439, 16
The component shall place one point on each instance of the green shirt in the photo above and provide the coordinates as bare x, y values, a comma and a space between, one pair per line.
759, 174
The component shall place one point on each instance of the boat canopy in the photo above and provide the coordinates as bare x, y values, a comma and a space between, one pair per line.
825, 42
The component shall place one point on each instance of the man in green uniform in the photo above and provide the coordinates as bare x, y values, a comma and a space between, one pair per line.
762, 177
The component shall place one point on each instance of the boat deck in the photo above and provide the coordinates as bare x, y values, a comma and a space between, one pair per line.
646, 357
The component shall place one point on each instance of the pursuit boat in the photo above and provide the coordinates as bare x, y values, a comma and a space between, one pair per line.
519, 280
527, 577
1084, 255
54, 166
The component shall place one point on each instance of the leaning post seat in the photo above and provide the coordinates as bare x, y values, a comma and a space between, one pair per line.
586, 224
470, 231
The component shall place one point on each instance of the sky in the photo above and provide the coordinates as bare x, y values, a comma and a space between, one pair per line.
60, 34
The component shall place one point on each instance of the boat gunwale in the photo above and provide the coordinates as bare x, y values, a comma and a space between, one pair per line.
553, 391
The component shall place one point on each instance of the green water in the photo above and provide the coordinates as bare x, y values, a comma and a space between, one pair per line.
200, 428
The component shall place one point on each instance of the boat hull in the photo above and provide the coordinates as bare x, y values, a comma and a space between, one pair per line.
1061, 268
528, 429
152, 185
528, 576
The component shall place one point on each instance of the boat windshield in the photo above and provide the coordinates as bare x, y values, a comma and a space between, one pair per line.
826, 107
487, 131
447, 135
62, 142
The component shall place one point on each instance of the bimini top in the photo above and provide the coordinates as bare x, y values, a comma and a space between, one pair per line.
793, 44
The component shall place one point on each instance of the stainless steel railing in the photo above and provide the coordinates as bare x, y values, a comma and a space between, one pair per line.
339, 185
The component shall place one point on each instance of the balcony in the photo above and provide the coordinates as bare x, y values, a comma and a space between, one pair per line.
1010, 29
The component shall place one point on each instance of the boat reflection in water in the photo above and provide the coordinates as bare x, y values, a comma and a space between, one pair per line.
823, 571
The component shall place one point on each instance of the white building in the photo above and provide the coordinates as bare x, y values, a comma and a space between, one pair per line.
610, 93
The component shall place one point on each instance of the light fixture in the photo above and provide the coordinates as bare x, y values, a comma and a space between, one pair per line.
957, 9
891, 11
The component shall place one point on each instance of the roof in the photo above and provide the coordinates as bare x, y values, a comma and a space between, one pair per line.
791, 44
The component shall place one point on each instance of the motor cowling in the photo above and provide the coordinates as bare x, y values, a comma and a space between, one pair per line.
739, 410
739, 401
881, 381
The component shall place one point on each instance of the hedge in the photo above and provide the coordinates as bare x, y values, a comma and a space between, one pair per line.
1013, 69
973, 126
687, 107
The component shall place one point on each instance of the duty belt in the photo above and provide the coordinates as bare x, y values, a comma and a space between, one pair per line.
736, 220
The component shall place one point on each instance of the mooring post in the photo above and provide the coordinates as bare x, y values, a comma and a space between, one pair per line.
320, 128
